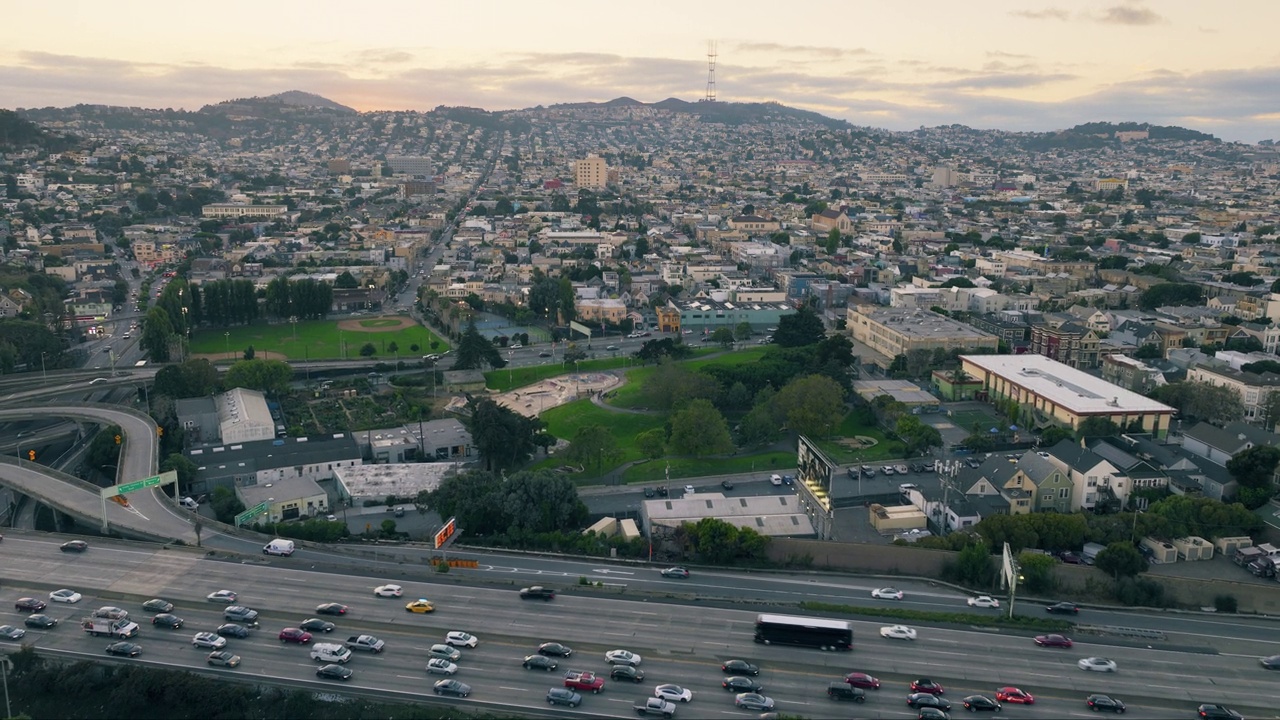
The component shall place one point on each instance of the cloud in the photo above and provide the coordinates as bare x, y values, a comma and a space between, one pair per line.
1127, 15
1004, 81
388, 57
1050, 13
823, 52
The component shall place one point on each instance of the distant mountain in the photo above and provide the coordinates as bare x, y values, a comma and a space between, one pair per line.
729, 113
1103, 134
278, 103
17, 133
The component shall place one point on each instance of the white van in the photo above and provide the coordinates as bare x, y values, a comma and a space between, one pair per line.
189, 503
330, 653
279, 546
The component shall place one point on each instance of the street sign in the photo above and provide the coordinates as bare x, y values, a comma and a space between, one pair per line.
251, 513
162, 479
445, 533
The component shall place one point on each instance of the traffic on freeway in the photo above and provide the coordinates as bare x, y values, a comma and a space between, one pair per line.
486, 637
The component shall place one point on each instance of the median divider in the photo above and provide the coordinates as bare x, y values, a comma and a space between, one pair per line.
994, 621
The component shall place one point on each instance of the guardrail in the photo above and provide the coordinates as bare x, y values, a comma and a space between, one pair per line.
1121, 631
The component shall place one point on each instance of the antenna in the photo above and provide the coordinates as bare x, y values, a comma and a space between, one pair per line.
711, 71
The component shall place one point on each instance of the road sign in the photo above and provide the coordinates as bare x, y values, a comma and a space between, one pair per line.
163, 478
445, 534
251, 513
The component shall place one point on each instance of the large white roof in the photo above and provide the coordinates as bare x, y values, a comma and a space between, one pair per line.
1075, 390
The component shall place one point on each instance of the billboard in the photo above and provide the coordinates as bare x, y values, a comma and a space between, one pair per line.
815, 468
445, 534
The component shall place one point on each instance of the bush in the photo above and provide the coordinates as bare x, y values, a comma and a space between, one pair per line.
1141, 592
1225, 603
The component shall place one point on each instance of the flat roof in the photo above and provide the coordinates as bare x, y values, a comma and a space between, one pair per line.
918, 323
1063, 385
773, 515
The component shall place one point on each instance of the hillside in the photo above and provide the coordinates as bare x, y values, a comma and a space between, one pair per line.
729, 113
1103, 134
17, 133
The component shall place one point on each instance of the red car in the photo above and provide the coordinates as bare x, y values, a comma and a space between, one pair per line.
1055, 640
295, 635
1014, 695
862, 680
925, 685
29, 605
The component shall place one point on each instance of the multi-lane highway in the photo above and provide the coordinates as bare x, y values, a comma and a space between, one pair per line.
681, 642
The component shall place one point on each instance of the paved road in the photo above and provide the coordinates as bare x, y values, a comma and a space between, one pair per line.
681, 642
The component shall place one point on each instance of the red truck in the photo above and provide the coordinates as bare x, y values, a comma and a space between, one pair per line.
583, 681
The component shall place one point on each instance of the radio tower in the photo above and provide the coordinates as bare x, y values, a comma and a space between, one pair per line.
711, 71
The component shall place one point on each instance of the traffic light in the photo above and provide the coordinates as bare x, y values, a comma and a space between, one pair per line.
117, 439
31, 455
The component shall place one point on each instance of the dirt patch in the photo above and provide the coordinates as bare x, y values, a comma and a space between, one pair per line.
531, 400
858, 442
376, 325
223, 357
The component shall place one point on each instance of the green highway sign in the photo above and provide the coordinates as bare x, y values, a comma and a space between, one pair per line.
161, 479
251, 513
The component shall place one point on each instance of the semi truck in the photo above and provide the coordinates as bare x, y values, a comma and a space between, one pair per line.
106, 626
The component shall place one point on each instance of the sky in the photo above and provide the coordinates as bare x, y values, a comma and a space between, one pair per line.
1027, 65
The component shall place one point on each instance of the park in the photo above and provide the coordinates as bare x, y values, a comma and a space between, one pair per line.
393, 337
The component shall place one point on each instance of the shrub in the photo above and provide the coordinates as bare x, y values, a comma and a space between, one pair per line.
1141, 592
1225, 603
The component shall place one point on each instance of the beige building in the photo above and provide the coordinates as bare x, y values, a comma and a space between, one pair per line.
601, 309
591, 173
236, 210
896, 331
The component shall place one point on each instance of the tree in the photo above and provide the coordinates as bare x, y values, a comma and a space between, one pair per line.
673, 384
652, 443
268, 376
1149, 351
368, 350
833, 241
812, 405
1171, 293
474, 498
974, 566
1097, 427
958, 282
346, 281
742, 332
1120, 559
699, 429
103, 451
1055, 434
157, 335
594, 446
226, 506
1254, 469
249, 353
1201, 401
917, 436
542, 502
503, 437
177, 462
723, 336
1037, 572
799, 329
475, 352
193, 378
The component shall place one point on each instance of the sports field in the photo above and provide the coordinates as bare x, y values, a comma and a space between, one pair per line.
965, 420
392, 336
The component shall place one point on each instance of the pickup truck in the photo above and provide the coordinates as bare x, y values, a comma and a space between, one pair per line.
106, 626
583, 681
655, 706
367, 643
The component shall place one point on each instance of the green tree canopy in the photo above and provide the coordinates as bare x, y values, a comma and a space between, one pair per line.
193, 378
812, 405
474, 352
268, 376
504, 438
801, 328
1120, 559
156, 335
699, 429
593, 446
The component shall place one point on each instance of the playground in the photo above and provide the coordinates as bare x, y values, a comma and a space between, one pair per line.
531, 400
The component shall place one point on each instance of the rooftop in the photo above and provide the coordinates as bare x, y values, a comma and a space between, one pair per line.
1063, 385
403, 480
773, 515
920, 323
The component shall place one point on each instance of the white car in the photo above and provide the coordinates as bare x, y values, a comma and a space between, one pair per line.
222, 596
1097, 664
622, 657
898, 632
775, 480
458, 638
440, 666
887, 594
688, 490
984, 601
65, 596
673, 693
209, 640
388, 591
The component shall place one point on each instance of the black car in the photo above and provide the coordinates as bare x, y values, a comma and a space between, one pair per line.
334, 672
332, 609
157, 605
27, 604
981, 703
1218, 712
627, 672
233, 630
844, 691
662, 491
451, 687
931, 713
42, 622
124, 649
1063, 608
555, 649
917, 700
74, 546
1098, 703
726, 484
316, 625
166, 620
740, 684
537, 592
538, 662
740, 667
648, 492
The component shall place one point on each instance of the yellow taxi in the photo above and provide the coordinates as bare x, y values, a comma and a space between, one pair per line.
420, 606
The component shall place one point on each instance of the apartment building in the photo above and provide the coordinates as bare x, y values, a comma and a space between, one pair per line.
591, 173
896, 331
238, 210
1255, 389
1130, 374
1069, 343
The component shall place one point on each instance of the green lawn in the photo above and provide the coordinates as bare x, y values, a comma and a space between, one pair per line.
885, 449
315, 340
631, 394
656, 470
504, 380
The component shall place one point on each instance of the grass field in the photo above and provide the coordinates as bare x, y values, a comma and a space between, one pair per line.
884, 449
965, 420
656, 470
504, 380
316, 340
631, 394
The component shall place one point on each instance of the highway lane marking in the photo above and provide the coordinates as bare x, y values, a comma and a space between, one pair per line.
504, 687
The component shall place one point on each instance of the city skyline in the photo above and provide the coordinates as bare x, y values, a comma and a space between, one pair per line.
986, 64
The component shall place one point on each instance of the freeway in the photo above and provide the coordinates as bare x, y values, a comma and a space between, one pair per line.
681, 643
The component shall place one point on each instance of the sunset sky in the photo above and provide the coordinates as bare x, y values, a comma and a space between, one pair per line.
1032, 65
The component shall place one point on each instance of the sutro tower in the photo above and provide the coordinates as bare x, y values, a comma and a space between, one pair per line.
711, 72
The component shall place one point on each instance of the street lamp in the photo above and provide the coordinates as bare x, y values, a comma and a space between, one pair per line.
44, 376
226, 336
